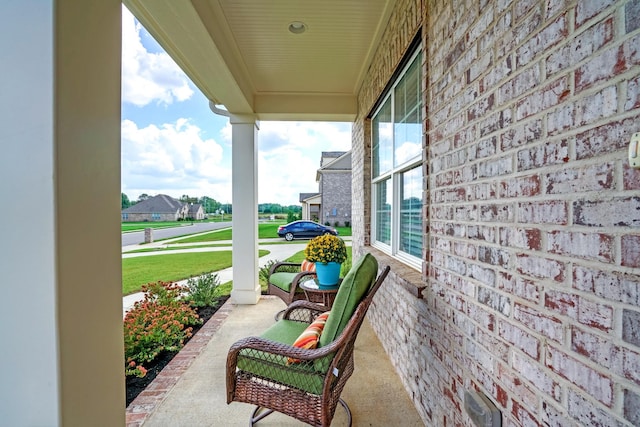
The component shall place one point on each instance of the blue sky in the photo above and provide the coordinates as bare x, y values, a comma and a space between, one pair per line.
173, 144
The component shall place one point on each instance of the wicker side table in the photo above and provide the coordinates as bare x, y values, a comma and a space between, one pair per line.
324, 296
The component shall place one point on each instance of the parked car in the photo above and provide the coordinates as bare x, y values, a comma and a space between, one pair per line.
304, 229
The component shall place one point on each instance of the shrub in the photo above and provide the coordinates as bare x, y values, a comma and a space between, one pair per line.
263, 273
347, 223
203, 291
336, 224
345, 267
155, 324
291, 216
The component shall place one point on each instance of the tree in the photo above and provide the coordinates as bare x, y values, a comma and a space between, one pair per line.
125, 201
291, 216
187, 199
227, 208
209, 204
143, 197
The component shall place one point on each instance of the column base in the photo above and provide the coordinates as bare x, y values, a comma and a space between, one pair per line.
246, 296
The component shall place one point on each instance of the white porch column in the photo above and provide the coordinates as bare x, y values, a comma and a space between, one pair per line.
244, 152
61, 305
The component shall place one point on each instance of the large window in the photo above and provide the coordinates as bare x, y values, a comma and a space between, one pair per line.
397, 176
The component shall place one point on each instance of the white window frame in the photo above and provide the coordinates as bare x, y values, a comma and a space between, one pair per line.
395, 174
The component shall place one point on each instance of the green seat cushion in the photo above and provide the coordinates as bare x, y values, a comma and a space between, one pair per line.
284, 331
352, 290
282, 280
303, 376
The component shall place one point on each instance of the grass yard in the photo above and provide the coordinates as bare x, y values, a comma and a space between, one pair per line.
265, 231
171, 267
137, 226
169, 247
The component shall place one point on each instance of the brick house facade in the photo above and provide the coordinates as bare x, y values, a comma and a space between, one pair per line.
334, 183
529, 289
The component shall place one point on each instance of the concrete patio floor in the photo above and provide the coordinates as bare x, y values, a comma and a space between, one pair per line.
190, 391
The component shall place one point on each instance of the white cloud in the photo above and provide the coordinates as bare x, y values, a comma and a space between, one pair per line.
172, 159
148, 77
289, 157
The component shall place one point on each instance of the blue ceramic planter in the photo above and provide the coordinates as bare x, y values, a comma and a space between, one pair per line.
328, 274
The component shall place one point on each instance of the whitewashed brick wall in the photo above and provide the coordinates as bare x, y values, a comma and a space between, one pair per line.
530, 290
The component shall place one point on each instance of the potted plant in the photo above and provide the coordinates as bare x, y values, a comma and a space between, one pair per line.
328, 252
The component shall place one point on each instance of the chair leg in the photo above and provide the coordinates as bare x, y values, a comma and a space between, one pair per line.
257, 415
346, 408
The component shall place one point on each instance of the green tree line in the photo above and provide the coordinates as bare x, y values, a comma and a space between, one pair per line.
212, 206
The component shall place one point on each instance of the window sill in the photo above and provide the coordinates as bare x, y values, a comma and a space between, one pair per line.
407, 277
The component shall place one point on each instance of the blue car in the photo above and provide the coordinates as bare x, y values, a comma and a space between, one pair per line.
304, 230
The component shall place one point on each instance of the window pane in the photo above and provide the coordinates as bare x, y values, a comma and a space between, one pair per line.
382, 137
407, 115
411, 212
383, 211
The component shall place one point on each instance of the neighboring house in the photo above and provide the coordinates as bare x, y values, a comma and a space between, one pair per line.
334, 183
196, 211
162, 208
311, 204
332, 204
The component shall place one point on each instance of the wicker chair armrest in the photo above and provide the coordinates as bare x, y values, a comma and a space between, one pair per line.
274, 348
303, 311
274, 268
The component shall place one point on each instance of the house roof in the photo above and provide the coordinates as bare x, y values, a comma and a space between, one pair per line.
194, 207
339, 162
242, 54
329, 156
306, 196
157, 204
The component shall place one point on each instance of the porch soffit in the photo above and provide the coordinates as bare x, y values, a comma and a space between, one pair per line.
240, 53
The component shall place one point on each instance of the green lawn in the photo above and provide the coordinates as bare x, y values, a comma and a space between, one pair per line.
137, 226
171, 267
139, 271
265, 231
169, 247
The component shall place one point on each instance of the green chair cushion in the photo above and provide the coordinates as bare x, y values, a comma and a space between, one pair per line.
303, 376
282, 280
284, 331
352, 290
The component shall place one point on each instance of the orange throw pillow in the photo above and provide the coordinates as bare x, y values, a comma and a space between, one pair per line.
308, 266
309, 338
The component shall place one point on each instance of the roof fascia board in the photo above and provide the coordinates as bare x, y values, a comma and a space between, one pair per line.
306, 106
337, 159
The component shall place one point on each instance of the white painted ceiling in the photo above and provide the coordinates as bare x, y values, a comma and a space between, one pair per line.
241, 54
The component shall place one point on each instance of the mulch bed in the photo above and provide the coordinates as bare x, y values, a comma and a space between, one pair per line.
136, 385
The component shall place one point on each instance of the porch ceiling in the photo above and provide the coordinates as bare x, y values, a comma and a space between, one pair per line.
241, 54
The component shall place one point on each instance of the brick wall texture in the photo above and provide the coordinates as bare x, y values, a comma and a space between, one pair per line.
530, 286
336, 194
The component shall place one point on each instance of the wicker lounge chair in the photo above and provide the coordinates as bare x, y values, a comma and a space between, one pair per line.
285, 279
306, 384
